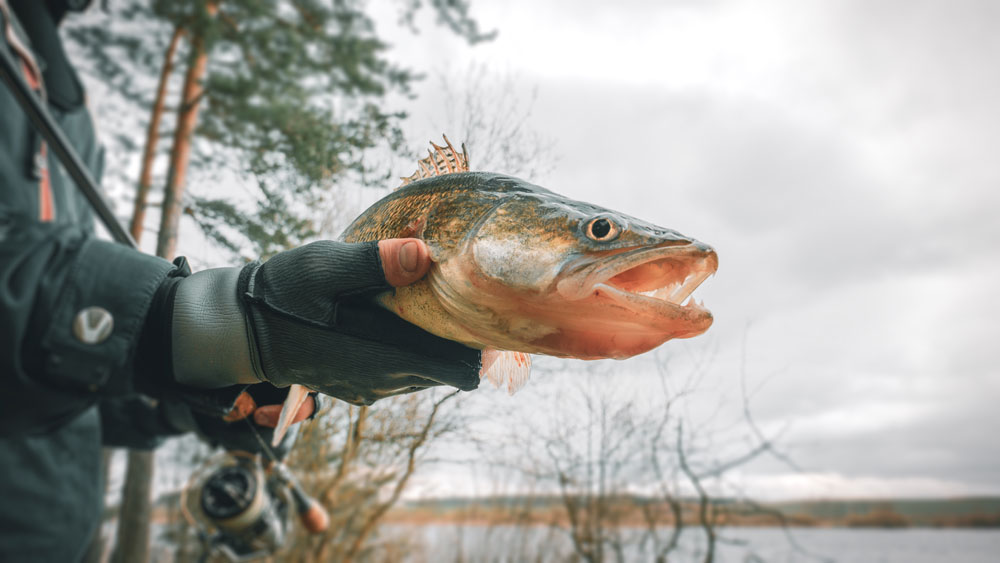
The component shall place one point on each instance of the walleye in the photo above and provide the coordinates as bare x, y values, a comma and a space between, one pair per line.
521, 270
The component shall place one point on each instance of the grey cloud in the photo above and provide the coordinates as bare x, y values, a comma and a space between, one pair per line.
853, 202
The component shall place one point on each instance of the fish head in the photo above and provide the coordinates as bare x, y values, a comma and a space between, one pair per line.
546, 274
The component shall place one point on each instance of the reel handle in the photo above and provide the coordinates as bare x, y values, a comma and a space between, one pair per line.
313, 516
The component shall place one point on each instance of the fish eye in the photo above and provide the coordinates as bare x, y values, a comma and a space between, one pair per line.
602, 229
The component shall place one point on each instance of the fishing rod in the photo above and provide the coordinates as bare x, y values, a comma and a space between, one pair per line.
53, 135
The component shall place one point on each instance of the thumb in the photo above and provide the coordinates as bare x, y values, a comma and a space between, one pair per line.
404, 260
328, 267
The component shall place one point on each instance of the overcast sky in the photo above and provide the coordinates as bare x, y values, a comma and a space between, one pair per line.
841, 158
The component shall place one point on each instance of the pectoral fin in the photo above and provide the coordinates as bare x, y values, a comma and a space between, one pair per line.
502, 367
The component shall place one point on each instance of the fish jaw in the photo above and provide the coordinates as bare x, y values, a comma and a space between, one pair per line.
654, 280
618, 325
633, 300
607, 305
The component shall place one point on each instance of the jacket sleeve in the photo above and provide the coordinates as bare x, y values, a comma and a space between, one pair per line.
141, 423
72, 309
82, 321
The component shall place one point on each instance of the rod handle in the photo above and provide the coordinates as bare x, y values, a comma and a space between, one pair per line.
314, 517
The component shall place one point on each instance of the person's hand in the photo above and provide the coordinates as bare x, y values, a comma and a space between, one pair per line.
307, 316
252, 418
266, 415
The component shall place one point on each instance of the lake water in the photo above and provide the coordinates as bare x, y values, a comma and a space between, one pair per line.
439, 543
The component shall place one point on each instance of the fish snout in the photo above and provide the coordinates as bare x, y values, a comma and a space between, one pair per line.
710, 258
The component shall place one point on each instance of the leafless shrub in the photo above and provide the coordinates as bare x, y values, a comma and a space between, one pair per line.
358, 461
621, 474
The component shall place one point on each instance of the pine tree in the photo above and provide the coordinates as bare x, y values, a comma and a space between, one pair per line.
291, 98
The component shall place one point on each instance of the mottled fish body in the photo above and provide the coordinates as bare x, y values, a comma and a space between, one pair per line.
521, 270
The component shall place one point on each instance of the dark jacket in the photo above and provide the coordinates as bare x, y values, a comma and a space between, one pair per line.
56, 382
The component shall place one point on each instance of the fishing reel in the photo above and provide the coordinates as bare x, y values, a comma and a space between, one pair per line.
241, 506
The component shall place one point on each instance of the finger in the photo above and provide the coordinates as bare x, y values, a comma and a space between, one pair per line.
404, 260
242, 408
268, 414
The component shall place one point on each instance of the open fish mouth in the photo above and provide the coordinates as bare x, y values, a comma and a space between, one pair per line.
653, 280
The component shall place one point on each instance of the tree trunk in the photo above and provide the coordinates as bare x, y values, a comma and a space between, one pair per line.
126, 549
180, 153
95, 552
133, 519
152, 136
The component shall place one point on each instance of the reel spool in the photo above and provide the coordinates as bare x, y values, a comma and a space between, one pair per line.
237, 508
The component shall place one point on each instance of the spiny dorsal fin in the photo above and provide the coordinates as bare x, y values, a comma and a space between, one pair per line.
440, 161
504, 367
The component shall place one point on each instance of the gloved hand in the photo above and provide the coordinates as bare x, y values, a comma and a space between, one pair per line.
307, 316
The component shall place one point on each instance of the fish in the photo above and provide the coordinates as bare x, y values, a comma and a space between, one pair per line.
519, 269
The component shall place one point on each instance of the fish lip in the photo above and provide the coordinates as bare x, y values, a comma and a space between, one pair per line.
594, 274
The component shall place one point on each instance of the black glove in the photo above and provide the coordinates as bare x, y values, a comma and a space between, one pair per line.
310, 319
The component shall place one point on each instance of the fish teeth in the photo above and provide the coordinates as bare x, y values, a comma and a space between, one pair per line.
677, 295
664, 292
